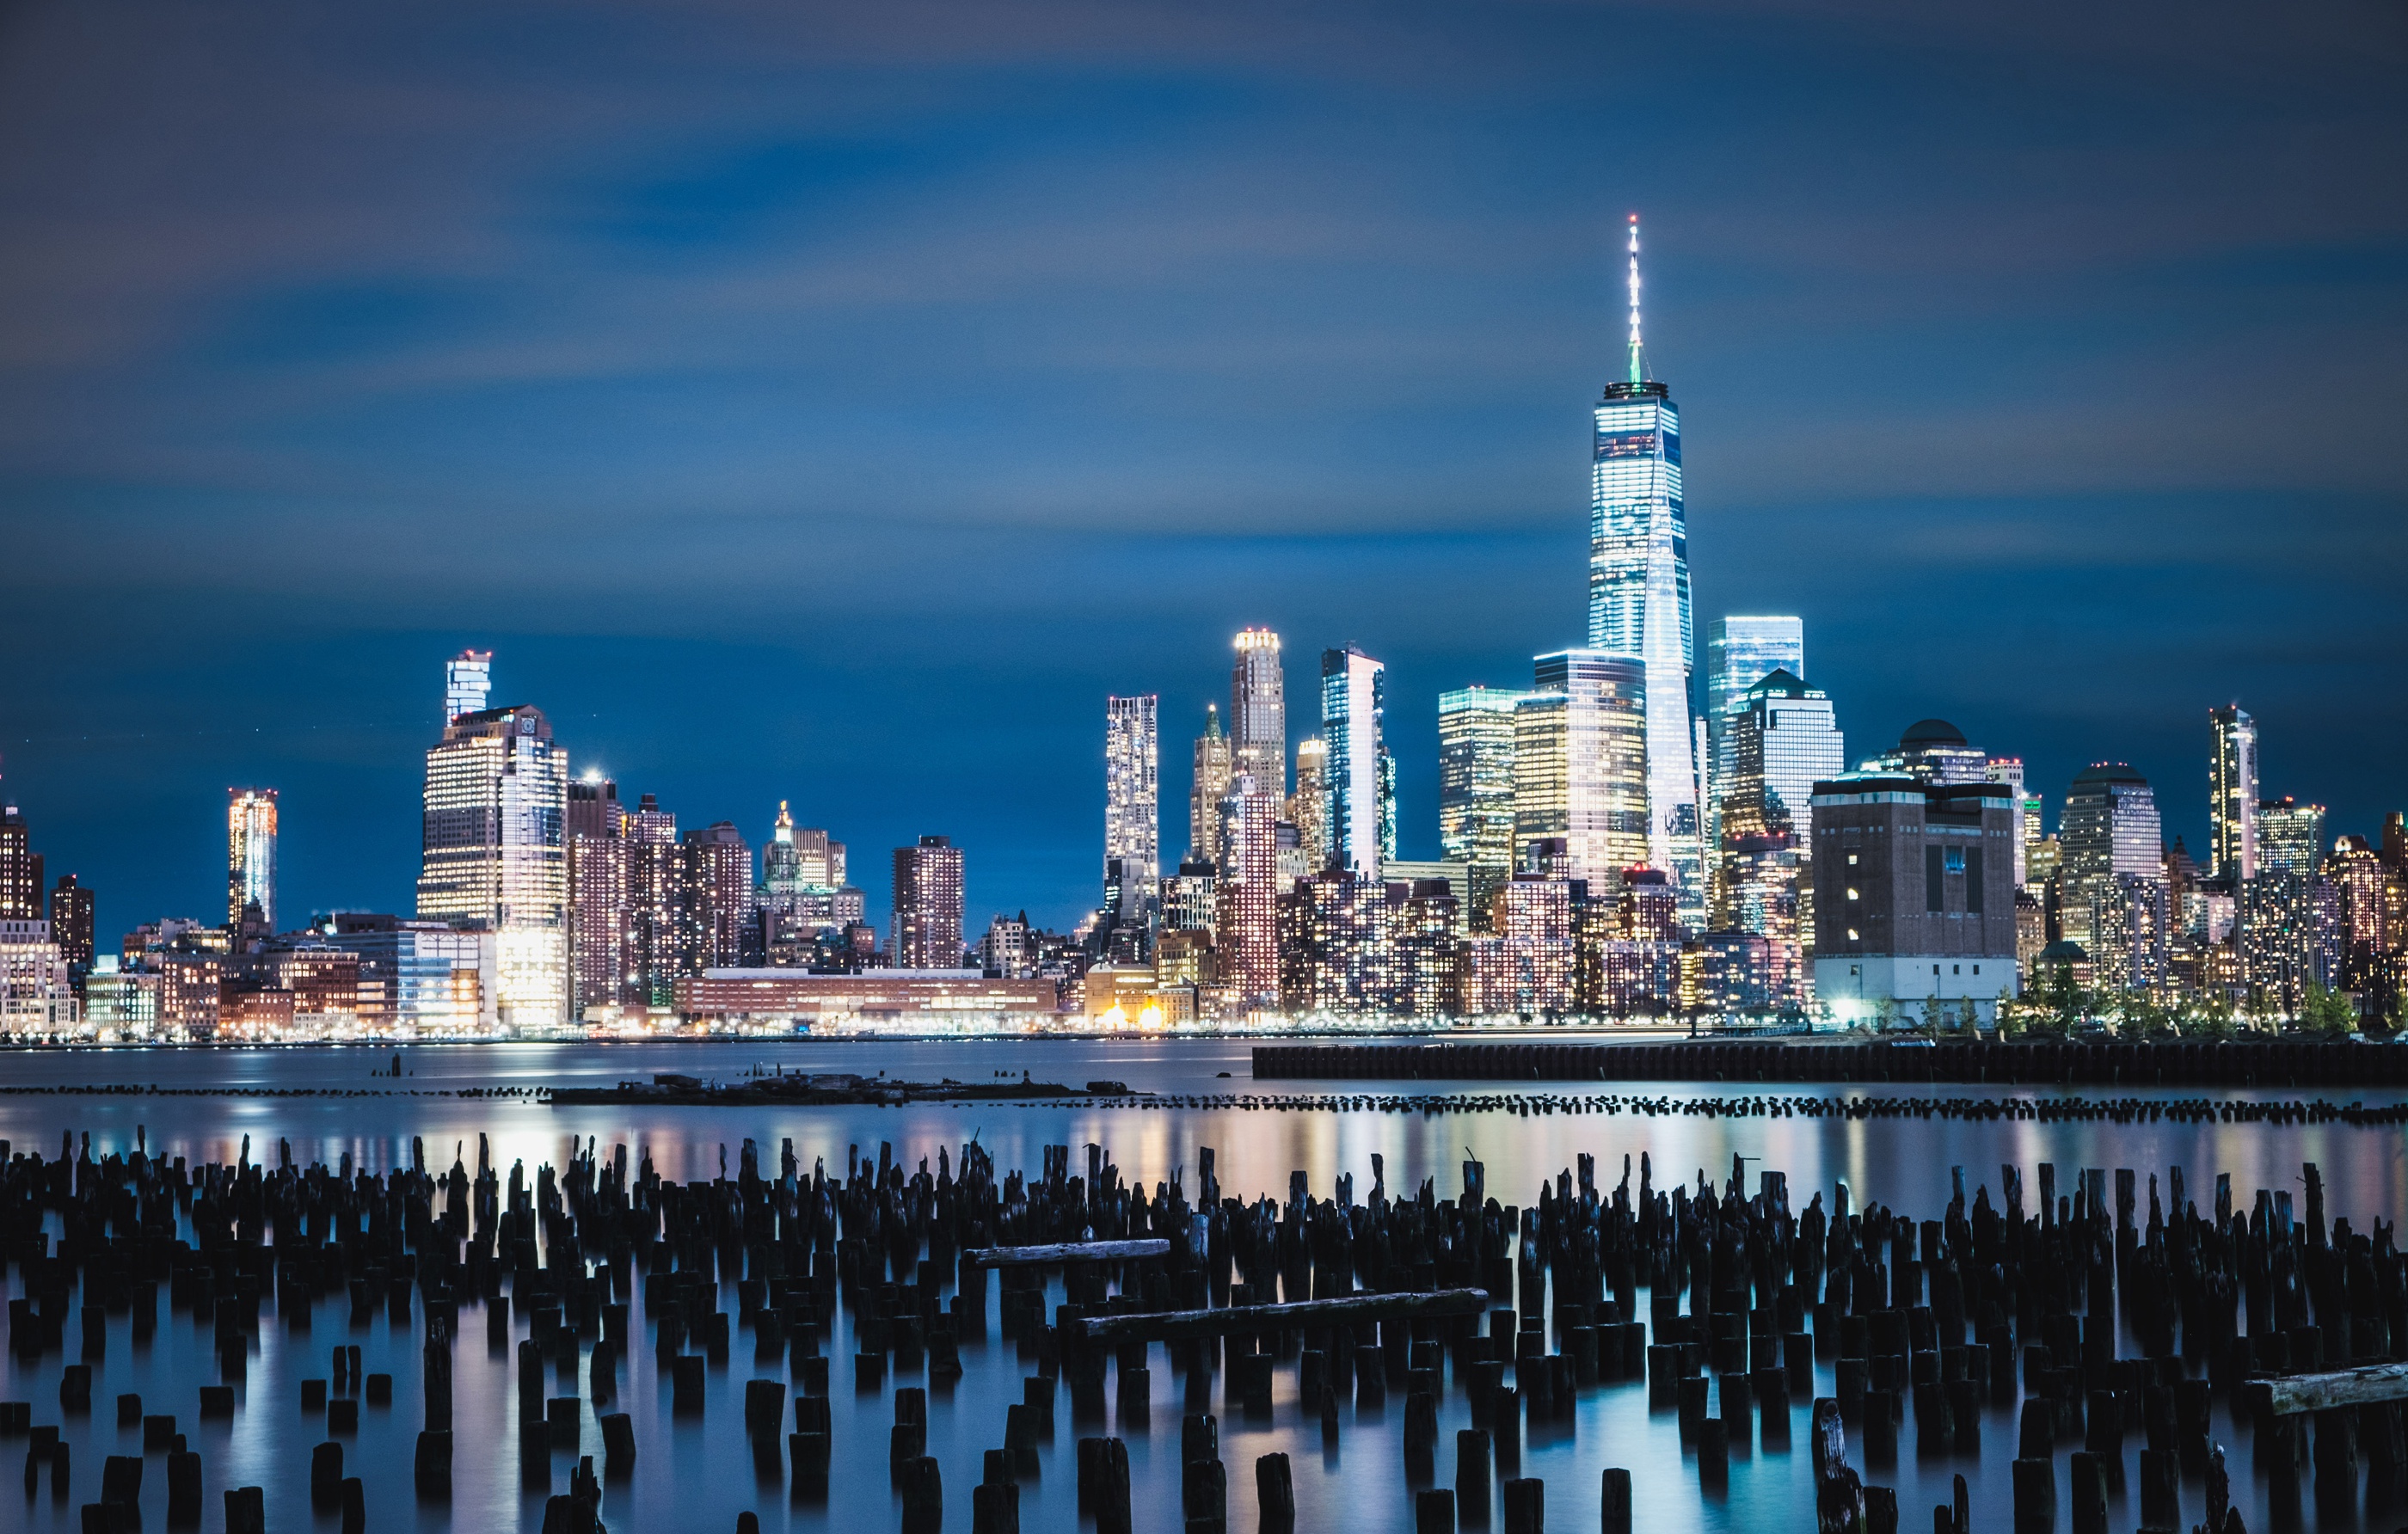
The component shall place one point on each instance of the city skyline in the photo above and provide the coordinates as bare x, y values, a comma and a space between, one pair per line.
631, 410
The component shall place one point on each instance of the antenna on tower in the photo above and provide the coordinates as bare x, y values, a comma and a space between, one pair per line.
1637, 366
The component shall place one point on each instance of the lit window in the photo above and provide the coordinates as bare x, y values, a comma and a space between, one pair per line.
1851, 938
1852, 894
1851, 860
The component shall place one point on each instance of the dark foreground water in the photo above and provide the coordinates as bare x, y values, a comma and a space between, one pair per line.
699, 1474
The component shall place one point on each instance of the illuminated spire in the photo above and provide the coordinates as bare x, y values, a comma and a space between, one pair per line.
1637, 366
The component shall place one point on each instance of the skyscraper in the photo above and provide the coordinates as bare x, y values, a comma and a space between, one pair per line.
1132, 801
600, 918
20, 869
71, 921
1475, 791
1307, 807
1208, 788
494, 858
1638, 594
2010, 771
2110, 829
655, 884
2290, 837
1245, 895
716, 929
468, 678
1933, 751
1362, 782
251, 854
1783, 740
1741, 652
2233, 794
1258, 711
928, 905
1580, 764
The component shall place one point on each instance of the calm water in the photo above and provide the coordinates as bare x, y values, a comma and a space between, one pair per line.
699, 1474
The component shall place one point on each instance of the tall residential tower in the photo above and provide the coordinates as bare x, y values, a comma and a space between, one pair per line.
1132, 803
1258, 712
2232, 795
1362, 779
251, 854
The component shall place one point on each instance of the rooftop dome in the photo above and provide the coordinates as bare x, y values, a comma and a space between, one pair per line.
2109, 773
1925, 732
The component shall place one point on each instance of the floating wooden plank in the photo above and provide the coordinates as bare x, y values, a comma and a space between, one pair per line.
1029, 1256
1174, 1325
2293, 1394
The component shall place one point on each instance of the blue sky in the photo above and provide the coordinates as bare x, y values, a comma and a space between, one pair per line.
834, 403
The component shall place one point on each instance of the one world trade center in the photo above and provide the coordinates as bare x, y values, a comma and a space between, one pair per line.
1639, 596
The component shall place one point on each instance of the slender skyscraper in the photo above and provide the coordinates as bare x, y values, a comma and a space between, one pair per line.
1258, 711
494, 858
2111, 832
1639, 595
2233, 794
1362, 782
1132, 799
251, 854
1307, 807
1208, 788
468, 678
1246, 896
1475, 791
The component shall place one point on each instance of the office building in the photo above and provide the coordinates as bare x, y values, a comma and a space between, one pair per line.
468, 681
20, 869
1639, 602
1741, 652
1580, 765
1245, 894
2110, 827
1782, 740
1308, 807
2231, 793
927, 930
1913, 898
1188, 902
1132, 807
2290, 837
119, 1003
72, 922
1362, 780
1208, 787
2010, 771
1258, 711
1475, 791
251, 854
1933, 750
495, 858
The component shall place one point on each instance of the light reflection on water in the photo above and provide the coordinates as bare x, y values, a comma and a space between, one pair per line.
697, 1475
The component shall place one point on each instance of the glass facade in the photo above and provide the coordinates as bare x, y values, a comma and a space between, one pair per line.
2233, 794
1362, 782
1475, 790
1580, 764
2290, 837
251, 854
494, 857
467, 679
1307, 807
2110, 827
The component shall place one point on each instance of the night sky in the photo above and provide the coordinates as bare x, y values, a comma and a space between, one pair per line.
835, 403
